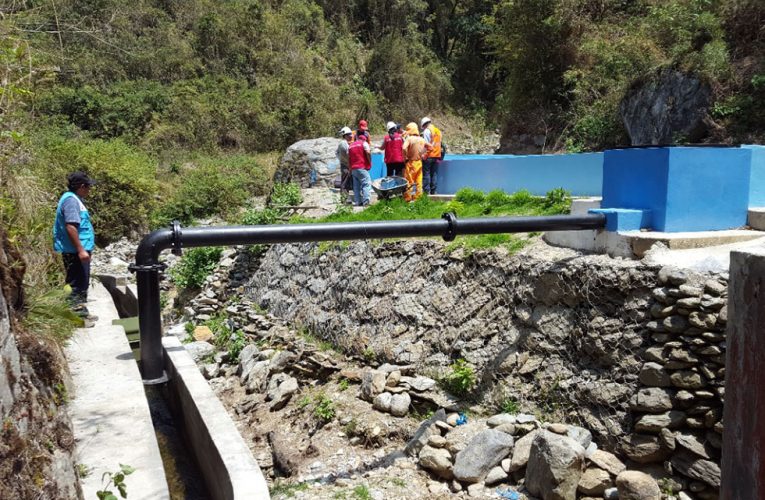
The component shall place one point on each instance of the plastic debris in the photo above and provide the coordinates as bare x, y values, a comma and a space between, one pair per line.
508, 494
462, 419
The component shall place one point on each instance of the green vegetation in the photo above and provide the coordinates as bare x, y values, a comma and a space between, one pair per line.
225, 338
324, 410
286, 490
511, 406
343, 384
116, 480
195, 265
467, 203
461, 378
361, 492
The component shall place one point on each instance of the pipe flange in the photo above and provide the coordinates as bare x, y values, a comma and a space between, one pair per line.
176, 241
150, 267
451, 230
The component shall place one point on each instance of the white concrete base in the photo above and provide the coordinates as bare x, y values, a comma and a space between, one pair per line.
110, 415
635, 244
225, 460
756, 218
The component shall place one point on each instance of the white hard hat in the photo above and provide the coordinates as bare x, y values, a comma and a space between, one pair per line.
345, 131
389, 126
425, 121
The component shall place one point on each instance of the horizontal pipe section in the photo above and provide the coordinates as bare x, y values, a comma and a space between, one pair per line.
147, 254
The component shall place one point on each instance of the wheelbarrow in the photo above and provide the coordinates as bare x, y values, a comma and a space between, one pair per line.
389, 187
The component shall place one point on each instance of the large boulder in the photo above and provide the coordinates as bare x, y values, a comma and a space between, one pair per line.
556, 464
482, 453
665, 107
636, 485
310, 162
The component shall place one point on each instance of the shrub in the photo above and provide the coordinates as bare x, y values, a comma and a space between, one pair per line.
325, 408
121, 202
124, 109
558, 201
195, 265
469, 195
216, 186
286, 194
497, 197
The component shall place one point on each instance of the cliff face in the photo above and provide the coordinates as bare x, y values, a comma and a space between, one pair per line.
37, 443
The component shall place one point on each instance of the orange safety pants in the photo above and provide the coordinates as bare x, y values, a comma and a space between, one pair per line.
413, 176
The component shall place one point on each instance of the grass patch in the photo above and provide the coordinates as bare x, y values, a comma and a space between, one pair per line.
467, 203
361, 492
286, 490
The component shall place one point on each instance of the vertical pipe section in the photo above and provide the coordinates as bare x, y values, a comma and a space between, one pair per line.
147, 268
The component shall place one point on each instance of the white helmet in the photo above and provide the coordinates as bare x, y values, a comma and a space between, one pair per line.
389, 126
345, 131
424, 122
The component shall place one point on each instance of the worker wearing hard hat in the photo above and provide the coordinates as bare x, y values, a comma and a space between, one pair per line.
393, 147
432, 157
346, 181
414, 148
363, 130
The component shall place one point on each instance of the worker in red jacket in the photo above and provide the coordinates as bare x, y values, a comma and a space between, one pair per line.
393, 146
360, 161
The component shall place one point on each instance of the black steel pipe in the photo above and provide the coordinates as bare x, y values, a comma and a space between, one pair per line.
147, 266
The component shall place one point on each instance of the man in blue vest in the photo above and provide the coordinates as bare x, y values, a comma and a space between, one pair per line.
74, 238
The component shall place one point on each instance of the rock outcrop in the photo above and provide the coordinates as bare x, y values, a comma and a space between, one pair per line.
666, 108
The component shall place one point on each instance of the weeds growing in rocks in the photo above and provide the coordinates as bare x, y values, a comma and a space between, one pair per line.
461, 379
195, 265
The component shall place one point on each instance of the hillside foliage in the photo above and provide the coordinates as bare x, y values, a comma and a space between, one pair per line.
176, 106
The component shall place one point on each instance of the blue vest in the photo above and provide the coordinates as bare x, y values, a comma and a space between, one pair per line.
61, 241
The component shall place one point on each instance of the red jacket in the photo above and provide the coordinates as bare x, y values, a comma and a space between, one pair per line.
394, 148
357, 156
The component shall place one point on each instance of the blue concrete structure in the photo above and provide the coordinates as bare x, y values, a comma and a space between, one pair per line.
624, 219
685, 188
757, 177
581, 174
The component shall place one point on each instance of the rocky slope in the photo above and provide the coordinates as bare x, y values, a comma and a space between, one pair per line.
632, 354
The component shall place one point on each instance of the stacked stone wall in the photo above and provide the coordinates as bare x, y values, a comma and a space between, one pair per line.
633, 353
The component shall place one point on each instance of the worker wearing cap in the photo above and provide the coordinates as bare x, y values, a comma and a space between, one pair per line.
393, 146
363, 130
74, 238
432, 157
346, 181
360, 161
414, 148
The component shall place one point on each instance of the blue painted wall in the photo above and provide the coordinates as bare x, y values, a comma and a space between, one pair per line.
686, 189
636, 179
581, 174
757, 177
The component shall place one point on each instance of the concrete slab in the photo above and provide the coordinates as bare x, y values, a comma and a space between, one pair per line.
756, 218
110, 415
709, 259
225, 460
641, 242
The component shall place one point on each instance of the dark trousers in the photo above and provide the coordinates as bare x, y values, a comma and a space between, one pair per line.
429, 175
78, 277
396, 169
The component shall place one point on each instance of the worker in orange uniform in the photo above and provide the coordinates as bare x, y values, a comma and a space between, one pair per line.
432, 157
414, 148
